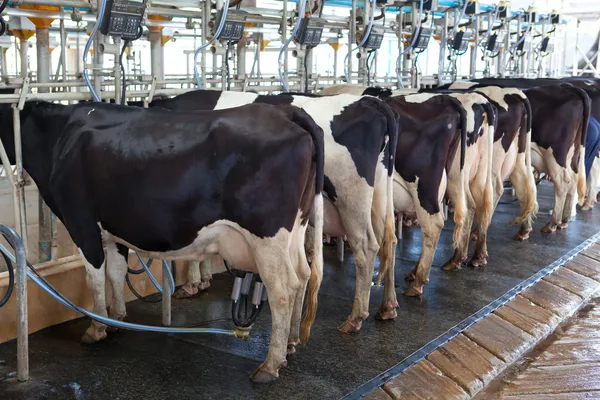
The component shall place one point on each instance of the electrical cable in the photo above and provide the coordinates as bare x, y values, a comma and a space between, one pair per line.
123, 76
308, 49
226, 60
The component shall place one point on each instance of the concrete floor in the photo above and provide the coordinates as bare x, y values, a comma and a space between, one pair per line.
132, 365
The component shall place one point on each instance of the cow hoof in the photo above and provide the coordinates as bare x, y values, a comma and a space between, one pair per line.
586, 206
549, 229
521, 236
563, 225
350, 327
185, 292
387, 311
478, 261
113, 329
263, 376
451, 266
291, 348
414, 291
92, 336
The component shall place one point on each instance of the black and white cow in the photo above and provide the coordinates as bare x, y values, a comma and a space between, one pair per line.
184, 186
469, 188
431, 130
358, 182
560, 115
512, 151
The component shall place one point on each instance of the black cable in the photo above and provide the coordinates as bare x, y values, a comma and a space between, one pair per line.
123, 76
368, 62
228, 76
306, 69
321, 8
11, 281
145, 299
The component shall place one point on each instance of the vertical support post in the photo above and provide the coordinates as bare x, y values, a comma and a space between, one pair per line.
340, 248
362, 61
43, 76
284, 37
473, 66
204, 28
399, 64
21, 224
23, 50
98, 61
409, 58
442, 57
21, 302
241, 58
166, 296
351, 38
117, 72
22, 320
157, 53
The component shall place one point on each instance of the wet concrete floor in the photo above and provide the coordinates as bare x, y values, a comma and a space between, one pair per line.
134, 365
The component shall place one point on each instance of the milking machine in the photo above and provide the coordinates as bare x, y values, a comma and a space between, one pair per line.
240, 308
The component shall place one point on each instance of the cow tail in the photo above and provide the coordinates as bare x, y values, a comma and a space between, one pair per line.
316, 275
529, 211
488, 209
463, 129
460, 211
581, 178
389, 232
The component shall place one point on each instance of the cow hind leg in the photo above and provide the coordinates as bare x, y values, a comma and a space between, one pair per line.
461, 243
116, 269
561, 187
431, 227
364, 248
282, 286
303, 272
382, 217
592, 185
523, 181
96, 282
198, 279
570, 200
483, 196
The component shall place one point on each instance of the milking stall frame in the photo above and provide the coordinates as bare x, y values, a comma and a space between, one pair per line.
382, 43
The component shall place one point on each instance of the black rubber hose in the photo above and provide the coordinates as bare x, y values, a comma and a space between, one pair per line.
139, 296
123, 77
11, 281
